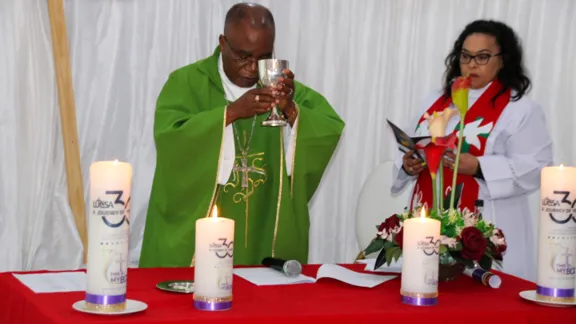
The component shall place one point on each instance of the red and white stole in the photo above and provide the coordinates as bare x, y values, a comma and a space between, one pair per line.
478, 123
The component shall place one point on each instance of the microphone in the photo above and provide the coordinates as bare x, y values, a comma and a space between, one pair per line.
290, 268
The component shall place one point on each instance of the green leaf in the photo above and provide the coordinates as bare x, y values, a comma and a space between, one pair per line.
498, 263
458, 257
375, 245
486, 262
390, 254
380, 259
441, 176
457, 194
397, 254
389, 244
443, 249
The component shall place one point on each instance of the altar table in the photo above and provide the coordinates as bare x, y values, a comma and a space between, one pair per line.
461, 301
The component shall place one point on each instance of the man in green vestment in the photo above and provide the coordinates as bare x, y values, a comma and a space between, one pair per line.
212, 150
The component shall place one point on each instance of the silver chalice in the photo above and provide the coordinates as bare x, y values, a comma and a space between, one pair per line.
269, 70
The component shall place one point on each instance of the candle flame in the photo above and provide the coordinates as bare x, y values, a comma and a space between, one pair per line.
115, 162
423, 212
214, 212
561, 166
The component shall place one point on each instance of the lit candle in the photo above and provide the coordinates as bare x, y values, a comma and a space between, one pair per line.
108, 234
214, 256
420, 260
557, 235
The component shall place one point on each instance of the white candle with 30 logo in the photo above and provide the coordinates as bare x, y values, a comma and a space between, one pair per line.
213, 262
108, 235
557, 234
420, 260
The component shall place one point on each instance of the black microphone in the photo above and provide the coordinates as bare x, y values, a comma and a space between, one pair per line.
290, 268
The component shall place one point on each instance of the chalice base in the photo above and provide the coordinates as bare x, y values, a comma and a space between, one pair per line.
275, 119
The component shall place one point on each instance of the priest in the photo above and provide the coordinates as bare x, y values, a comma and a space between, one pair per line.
213, 151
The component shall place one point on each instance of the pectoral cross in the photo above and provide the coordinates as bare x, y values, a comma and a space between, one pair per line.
244, 169
241, 177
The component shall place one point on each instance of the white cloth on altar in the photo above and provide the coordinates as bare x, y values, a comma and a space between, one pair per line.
517, 149
228, 153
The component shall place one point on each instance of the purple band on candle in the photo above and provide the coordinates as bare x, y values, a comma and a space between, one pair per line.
214, 306
555, 292
105, 299
419, 301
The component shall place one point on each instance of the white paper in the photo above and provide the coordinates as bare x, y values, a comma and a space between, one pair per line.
370, 263
54, 282
351, 277
268, 276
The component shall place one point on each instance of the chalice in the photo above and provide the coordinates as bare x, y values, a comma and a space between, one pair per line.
269, 70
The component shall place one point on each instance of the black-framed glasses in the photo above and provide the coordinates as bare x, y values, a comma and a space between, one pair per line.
480, 59
242, 59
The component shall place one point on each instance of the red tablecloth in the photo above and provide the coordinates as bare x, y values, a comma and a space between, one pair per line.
462, 301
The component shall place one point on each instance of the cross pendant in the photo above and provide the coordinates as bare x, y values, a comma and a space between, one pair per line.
244, 169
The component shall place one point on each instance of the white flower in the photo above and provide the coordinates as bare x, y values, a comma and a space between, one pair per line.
451, 242
497, 241
383, 235
405, 215
497, 238
459, 230
438, 121
470, 219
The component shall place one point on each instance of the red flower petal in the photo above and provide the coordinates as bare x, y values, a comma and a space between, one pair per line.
462, 82
435, 150
434, 154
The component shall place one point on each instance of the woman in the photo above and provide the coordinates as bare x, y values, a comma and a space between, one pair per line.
506, 143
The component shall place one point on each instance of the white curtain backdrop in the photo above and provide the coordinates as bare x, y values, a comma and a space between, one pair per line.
372, 59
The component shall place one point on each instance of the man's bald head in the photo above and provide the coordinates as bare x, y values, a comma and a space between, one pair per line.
253, 15
249, 34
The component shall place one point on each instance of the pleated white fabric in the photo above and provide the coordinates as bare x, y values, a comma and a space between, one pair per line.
373, 59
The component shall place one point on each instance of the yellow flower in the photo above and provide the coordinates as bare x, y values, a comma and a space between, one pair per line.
460, 89
453, 216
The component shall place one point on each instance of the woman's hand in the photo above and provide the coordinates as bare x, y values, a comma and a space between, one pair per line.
412, 166
468, 163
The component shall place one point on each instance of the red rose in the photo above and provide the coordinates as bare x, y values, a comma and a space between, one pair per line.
473, 244
389, 224
399, 237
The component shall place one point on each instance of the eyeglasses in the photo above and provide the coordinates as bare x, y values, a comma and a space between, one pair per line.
242, 59
480, 59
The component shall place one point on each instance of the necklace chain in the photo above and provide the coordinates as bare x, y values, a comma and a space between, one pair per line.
248, 142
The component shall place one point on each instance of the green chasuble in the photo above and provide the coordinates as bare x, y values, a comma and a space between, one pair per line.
270, 209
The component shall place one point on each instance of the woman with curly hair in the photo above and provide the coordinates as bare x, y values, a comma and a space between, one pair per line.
505, 144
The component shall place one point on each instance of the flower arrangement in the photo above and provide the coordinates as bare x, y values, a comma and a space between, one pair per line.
465, 238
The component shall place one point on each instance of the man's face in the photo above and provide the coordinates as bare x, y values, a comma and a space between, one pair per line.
241, 49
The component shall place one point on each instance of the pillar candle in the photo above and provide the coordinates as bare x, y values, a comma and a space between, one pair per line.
214, 256
420, 260
557, 235
108, 234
